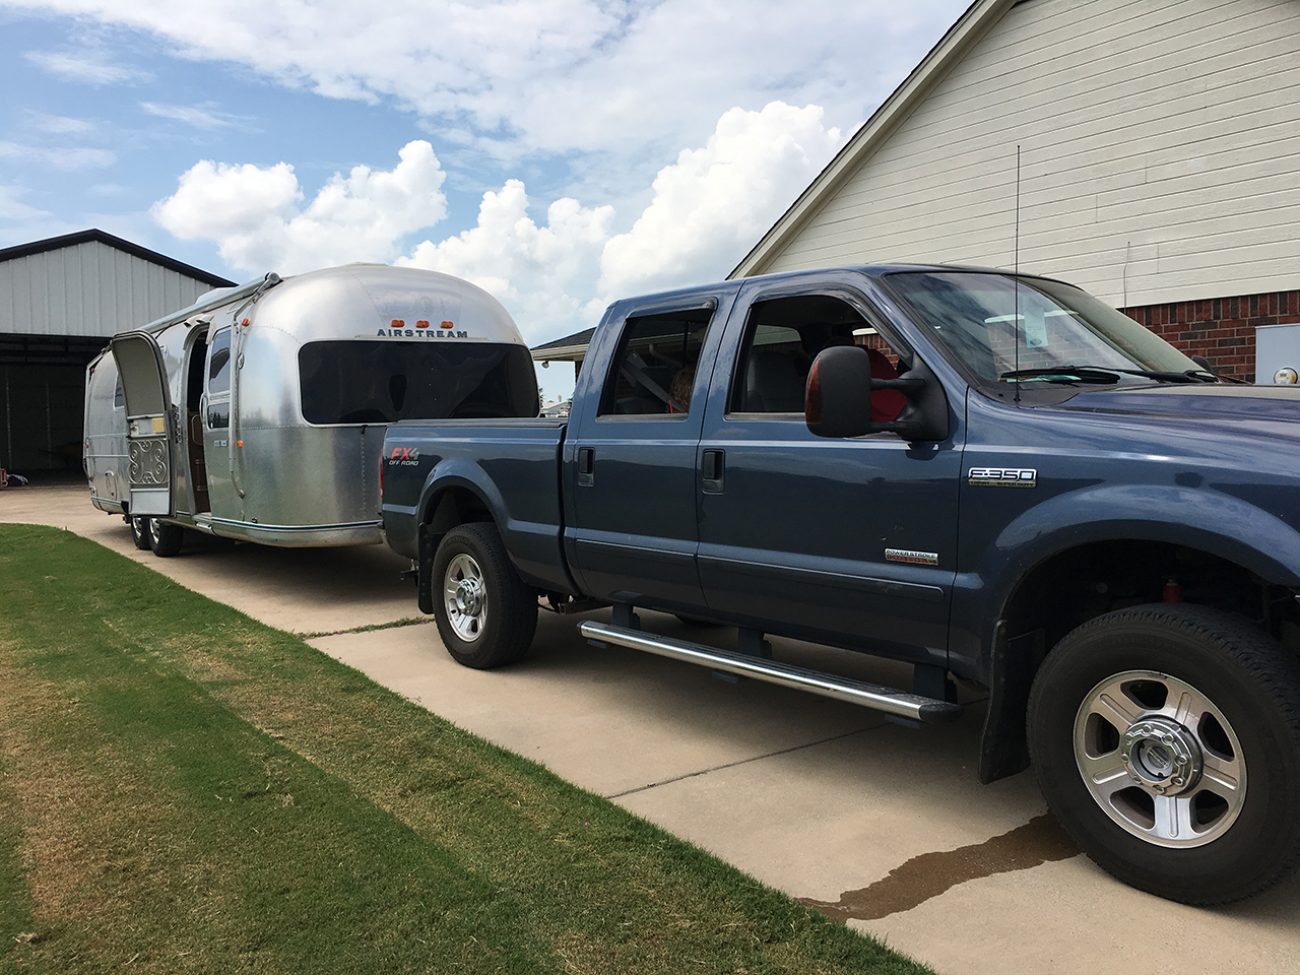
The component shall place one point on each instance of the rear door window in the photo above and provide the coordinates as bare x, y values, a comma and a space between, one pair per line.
654, 371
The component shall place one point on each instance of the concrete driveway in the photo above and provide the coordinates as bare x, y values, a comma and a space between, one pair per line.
882, 826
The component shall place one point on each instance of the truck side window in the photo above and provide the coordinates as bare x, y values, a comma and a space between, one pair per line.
783, 337
654, 371
119, 398
219, 363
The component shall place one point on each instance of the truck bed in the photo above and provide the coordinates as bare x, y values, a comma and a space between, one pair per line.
511, 465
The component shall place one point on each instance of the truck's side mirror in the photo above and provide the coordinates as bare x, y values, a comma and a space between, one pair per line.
837, 399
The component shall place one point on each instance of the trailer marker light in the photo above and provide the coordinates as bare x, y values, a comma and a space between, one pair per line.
422, 323
239, 444
398, 323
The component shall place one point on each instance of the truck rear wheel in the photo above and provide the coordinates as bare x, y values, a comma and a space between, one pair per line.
1166, 740
486, 615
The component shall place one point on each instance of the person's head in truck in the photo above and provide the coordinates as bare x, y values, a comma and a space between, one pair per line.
679, 392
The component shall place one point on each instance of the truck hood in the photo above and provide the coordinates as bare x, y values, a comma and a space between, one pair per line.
1269, 410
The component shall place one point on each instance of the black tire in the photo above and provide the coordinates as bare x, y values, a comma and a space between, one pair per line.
1240, 671
139, 533
165, 539
509, 616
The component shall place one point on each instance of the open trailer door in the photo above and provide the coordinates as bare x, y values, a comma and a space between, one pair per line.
148, 422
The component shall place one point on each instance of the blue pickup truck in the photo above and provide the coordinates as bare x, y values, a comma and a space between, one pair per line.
998, 479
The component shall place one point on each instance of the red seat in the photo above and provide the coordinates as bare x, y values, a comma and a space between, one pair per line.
886, 404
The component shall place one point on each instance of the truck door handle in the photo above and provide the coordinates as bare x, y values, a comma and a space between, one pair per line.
586, 466
713, 470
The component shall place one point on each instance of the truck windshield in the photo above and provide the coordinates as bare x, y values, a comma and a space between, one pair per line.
1064, 334
378, 382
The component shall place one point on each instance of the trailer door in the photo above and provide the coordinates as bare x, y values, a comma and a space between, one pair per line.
149, 422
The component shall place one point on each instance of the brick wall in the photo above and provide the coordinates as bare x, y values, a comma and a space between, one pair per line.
1221, 329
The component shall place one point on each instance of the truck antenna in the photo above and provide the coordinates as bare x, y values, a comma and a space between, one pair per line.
1015, 321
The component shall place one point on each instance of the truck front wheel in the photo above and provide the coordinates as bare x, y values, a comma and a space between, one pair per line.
486, 615
1166, 739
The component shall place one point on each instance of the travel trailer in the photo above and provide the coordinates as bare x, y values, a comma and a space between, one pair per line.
259, 412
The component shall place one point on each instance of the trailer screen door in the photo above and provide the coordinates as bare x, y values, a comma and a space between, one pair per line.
148, 422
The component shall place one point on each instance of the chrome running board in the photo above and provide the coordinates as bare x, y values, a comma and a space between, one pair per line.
875, 696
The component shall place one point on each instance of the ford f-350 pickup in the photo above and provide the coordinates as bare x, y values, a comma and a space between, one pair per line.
996, 478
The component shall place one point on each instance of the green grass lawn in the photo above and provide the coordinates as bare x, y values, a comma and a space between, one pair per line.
183, 789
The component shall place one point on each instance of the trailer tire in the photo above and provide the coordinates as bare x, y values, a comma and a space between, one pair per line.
139, 532
486, 615
165, 539
1166, 740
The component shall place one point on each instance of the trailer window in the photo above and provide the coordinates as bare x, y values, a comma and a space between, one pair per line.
379, 382
219, 363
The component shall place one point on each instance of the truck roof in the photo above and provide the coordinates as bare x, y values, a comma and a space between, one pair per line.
876, 270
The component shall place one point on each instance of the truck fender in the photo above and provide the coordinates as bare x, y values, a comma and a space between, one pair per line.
1214, 522
1194, 518
449, 475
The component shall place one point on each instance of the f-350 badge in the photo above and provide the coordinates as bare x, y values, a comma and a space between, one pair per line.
1017, 477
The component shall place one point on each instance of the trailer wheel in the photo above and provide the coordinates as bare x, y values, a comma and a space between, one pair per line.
486, 615
164, 538
139, 532
1166, 740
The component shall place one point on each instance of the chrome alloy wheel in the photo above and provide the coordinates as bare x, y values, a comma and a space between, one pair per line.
1160, 759
466, 597
151, 531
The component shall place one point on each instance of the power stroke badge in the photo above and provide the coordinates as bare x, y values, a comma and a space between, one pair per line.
1017, 477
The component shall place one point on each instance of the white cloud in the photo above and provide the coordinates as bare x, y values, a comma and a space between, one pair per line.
88, 66
610, 76
257, 217
541, 273
12, 208
65, 158
59, 124
713, 203
555, 274
205, 116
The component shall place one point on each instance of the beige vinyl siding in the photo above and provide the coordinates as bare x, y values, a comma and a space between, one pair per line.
1160, 160
88, 289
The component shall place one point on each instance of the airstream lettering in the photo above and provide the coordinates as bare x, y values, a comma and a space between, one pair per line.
259, 412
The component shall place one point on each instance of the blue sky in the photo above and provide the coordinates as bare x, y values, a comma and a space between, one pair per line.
558, 153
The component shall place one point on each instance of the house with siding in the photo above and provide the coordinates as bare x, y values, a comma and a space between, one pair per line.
1159, 147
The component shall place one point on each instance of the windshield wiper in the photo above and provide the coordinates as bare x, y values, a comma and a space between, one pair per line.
1107, 374
1066, 374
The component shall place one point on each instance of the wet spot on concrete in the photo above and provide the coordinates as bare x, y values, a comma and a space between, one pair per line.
916, 881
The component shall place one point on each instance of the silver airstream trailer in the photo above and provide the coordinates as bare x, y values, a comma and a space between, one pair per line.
258, 413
